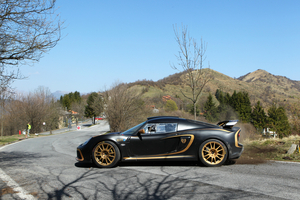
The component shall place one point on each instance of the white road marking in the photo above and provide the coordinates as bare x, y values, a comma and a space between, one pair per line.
23, 194
287, 162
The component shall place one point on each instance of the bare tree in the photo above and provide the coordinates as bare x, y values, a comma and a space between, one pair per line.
94, 106
191, 59
6, 92
98, 104
294, 112
36, 108
52, 115
5, 97
124, 108
28, 29
14, 118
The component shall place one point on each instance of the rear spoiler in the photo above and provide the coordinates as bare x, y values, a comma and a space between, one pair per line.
228, 124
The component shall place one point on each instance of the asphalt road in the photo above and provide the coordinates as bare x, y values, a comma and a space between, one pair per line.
45, 168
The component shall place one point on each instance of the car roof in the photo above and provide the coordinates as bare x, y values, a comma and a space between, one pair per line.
164, 119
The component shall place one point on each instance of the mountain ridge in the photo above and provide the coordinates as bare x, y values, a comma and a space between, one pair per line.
260, 85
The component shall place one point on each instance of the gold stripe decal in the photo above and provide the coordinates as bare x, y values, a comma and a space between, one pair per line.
236, 139
156, 157
186, 148
82, 158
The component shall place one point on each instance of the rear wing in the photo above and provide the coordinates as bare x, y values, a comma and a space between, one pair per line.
228, 124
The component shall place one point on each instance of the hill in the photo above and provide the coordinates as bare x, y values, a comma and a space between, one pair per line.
260, 85
270, 88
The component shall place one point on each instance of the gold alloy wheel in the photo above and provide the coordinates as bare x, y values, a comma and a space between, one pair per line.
213, 153
104, 154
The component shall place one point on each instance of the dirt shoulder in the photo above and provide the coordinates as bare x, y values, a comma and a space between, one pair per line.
262, 150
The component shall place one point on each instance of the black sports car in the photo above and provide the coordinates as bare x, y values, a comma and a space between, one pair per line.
165, 138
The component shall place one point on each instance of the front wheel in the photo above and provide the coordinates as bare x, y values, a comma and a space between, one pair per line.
213, 153
106, 154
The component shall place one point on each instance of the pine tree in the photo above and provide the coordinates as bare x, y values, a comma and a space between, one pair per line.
259, 117
279, 121
241, 103
217, 94
66, 102
68, 99
77, 97
90, 110
210, 109
222, 109
233, 100
225, 109
223, 105
245, 112
227, 98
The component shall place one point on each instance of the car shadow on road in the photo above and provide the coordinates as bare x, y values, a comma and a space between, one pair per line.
159, 163
147, 164
84, 165
156, 163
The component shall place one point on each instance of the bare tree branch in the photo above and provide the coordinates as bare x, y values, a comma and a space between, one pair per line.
123, 107
27, 30
191, 59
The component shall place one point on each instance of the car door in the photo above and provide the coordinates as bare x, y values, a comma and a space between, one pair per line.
159, 139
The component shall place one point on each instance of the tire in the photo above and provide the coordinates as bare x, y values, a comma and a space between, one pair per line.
106, 154
213, 153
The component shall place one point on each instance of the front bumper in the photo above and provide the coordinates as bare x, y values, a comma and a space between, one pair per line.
83, 155
79, 157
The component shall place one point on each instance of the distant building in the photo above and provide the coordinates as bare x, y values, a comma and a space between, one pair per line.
155, 110
166, 98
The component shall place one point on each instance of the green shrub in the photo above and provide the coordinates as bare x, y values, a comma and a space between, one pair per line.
171, 105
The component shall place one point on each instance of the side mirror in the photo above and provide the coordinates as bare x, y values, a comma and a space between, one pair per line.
142, 131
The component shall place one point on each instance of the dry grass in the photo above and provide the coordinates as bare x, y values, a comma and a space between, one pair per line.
4, 140
261, 150
7, 190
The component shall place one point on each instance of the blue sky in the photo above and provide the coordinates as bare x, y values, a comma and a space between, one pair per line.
109, 41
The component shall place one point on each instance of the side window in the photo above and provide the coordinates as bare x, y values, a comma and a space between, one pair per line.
160, 128
171, 127
150, 128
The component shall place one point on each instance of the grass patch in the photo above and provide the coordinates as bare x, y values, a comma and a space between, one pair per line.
10, 139
4, 140
153, 92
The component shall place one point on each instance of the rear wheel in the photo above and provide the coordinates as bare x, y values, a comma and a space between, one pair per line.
213, 153
106, 154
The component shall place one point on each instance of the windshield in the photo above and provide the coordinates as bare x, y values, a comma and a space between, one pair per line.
133, 129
